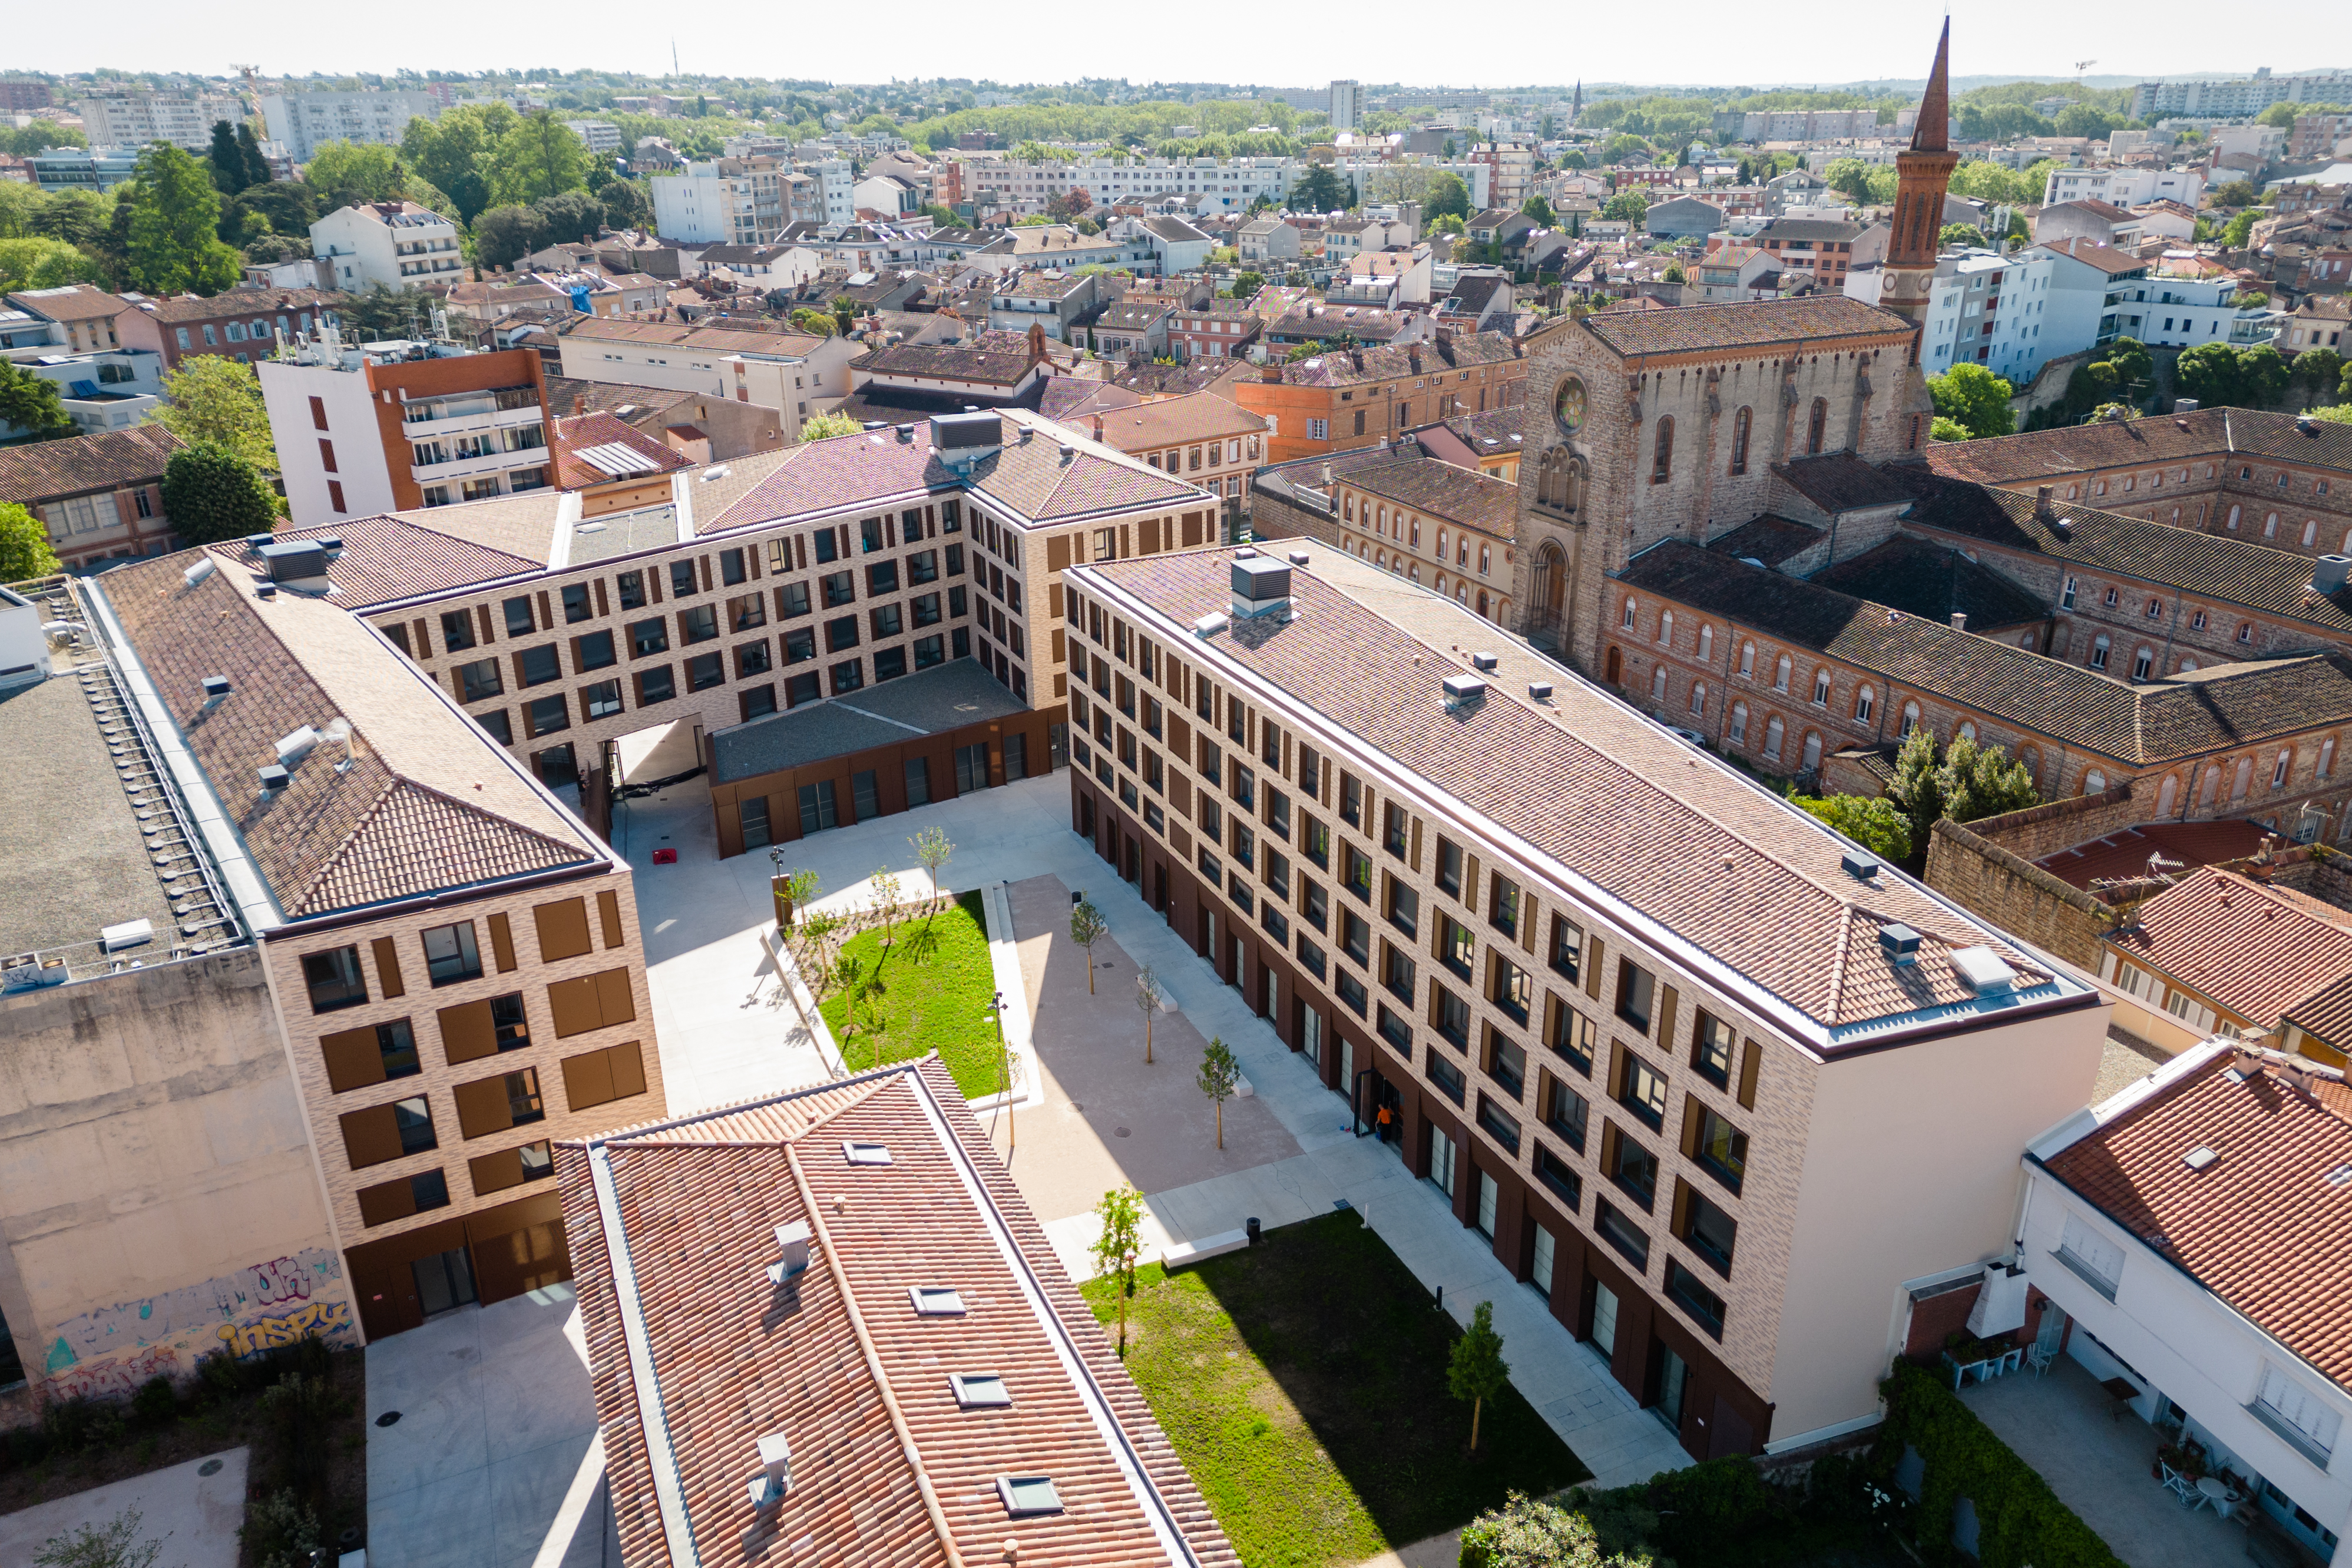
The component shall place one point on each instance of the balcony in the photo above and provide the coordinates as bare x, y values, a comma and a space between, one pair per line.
453, 417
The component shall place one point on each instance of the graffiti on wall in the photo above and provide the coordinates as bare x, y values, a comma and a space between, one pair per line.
110, 1351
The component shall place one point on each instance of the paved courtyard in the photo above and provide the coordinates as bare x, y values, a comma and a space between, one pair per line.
191, 1511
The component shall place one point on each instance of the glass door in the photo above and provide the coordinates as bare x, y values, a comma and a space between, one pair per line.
1440, 1160
1310, 1035
1673, 1379
1488, 1195
445, 1280
1540, 1274
1604, 1321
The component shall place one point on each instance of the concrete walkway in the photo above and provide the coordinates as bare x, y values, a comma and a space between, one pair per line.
193, 1511
496, 1461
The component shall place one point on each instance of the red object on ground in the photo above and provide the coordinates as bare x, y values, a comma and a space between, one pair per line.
664, 856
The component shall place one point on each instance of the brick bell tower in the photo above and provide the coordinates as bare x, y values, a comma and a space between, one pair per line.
1926, 172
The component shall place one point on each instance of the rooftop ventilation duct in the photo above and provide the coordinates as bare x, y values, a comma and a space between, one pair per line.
1982, 971
1899, 942
2329, 573
1862, 867
1261, 588
274, 779
296, 745
768, 1488
130, 933
1298, 558
1461, 691
1210, 624
962, 439
792, 1241
295, 561
1486, 661
2185, 406
1539, 690
216, 690
198, 573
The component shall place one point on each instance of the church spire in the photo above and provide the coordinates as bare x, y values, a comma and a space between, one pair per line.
1924, 172
1931, 130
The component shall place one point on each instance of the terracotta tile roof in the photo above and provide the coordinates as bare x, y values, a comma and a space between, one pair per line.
1147, 427
1003, 368
2185, 715
2327, 1013
1768, 540
1753, 887
104, 460
638, 455
1431, 485
1067, 397
2126, 854
2261, 1226
429, 802
71, 302
2090, 252
1748, 326
234, 304
671, 1230
2213, 433
2214, 565
396, 557
1192, 376
1924, 578
706, 338
2255, 948
1840, 481
1352, 367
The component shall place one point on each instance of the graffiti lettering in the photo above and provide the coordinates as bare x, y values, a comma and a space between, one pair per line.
236, 1298
116, 1379
328, 1320
282, 1279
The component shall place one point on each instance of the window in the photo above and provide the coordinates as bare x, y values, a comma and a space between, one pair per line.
1633, 1168
576, 606
1740, 424
1863, 701
1622, 1234
1661, 464
1566, 947
2099, 652
1720, 1149
648, 638
632, 586
2287, 1408
450, 954
1711, 1043
1356, 938
1513, 990
538, 666
1507, 1064
1570, 1033
1503, 905
1397, 973
1643, 1090
1821, 689
681, 579
517, 615
1404, 910
1449, 1079
1739, 723
2091, 1256
1636, 987
593, 651
1705, 1229
1685, 1290
1452, 1016
600, 700
479, 681
456, 630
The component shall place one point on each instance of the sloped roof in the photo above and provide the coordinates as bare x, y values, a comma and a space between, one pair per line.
1445, 491
2211, 433
1840, 482
693, 1206
429, 801
1750, 882
1933, 581
2260, 1226
602, 449
2255, 948
1746, 325
74, 465
397, 556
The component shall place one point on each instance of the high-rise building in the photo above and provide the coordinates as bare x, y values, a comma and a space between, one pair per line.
1347, 104
307, 122
183, 117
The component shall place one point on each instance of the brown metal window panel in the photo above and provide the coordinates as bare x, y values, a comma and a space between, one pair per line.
468, 1032
1593, 971
1057, 553
562, 929
1692, 1110
1751, 1061
387, 968
327, 455
354, 1060
389, 1201
546, 610
599, 1077
591, 1002
483, 1107
1668, 1001
318, 413
482, 613
424, 638
502, 943
603, 604
495, 1172
608, 914
371, 1136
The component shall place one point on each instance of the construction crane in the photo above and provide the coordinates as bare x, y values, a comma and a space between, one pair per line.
2080, 67
252, 86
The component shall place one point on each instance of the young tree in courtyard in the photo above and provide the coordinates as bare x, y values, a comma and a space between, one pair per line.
1121, 1212
211, 397
1147, 998
1087, 926
933, 849
1218, 1076
24, 550
1477, 1370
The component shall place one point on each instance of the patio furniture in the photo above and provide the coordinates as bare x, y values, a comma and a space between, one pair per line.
2178, 1485
2217, 1495
2042, 1357
2123, 1390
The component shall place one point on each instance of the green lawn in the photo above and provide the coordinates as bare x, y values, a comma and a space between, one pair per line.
1303, 1384
934, 1000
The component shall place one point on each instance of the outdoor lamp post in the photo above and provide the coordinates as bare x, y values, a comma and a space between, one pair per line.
1004, 1067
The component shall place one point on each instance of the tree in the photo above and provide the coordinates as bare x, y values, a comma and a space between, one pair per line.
173, 248
2236, 193
822, 426
537, 156
1962, 233
1527, 1534
24, 550
1673, 274
1219, 1074
380, 312
567, 216
1627, 206
2208, 372
1148, 996
1975, 398
2240, 230
2321, 370
1945, 429
1115, 1248
1320, 189
211, 397
248, 149
1540, 210
1982, 781
504, 236
227, 158
1245, 285
1476, 1370
1916, 786
117, 1544
845, 314
816, 323
1447, 197
1087, 926
2262, 375
289, 207
1871, 821
627, 203
30, 402
346, 174
450, 151
2336, 413
212, 495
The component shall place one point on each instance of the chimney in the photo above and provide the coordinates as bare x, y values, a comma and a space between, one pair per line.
1959, 620
1271, 371
2041, 507
579, 404
2329, 573
1413, 357
1099, 427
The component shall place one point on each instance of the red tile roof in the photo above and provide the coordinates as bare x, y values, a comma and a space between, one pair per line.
2255, 948
578, 434
2261, 1226
76, 465
671, 1230
2126, 854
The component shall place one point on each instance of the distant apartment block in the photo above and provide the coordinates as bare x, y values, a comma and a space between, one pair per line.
729, 201
132, 119
602, 136
2249, 95
306, 122
1347, 105
397, 243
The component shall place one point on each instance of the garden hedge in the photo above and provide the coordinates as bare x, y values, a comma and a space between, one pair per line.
2020, 1520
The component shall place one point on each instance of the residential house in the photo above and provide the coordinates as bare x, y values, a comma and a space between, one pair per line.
1345, 398
99, 496
1055, 301
87, 318
1488, 443
765, 268
1267, 244
243, 324
703, 426
1629, 1121
1825, 249
396, 244
2101, 223
726, 201
1733, 272
497, 297
2148, 1247
1214, 329
2317, 322
726, 361
1176, 244
2220, 951
1129, 328
1683, 217
1206, 436
1481, 298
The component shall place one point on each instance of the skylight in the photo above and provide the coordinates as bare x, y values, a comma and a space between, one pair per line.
1025, 1496
979, 1390
867, 1153
936, 1302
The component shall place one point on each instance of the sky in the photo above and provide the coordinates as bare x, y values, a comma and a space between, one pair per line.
1698, 42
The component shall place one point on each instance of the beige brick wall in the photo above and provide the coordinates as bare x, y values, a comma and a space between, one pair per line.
438, 1078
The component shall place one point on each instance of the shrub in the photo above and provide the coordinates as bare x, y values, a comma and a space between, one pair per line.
279, 1531
70, 1424
155, 1404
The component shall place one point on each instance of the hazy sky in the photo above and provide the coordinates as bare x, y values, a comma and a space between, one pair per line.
1695, 41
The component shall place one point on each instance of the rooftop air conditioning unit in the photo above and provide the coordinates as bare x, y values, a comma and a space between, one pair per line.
1899, 942
1461, 691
